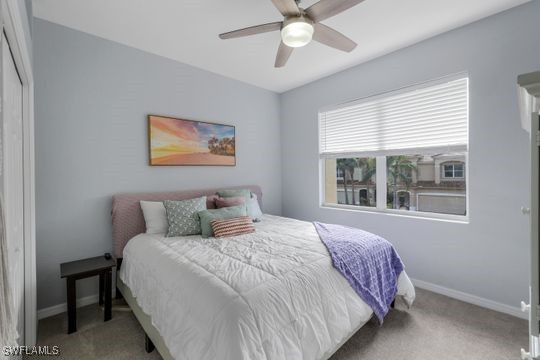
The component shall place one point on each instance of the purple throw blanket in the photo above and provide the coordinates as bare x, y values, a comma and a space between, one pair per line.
369, 263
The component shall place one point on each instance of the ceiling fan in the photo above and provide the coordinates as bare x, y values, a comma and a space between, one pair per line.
300, 26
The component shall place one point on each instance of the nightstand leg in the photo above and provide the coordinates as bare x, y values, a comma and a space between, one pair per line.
108, 296
101, 287
72, 305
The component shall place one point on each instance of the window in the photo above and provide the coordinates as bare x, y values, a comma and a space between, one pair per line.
403, 152
453, 171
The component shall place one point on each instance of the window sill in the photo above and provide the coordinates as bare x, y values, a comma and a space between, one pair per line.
459, 219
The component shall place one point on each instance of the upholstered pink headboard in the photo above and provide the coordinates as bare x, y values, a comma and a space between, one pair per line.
127, 216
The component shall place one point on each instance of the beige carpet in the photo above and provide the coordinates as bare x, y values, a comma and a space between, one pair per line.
436, 327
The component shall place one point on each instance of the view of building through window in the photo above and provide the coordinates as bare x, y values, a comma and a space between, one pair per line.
351, 181
426, 183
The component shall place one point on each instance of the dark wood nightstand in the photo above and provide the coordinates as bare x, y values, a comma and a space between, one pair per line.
81, 269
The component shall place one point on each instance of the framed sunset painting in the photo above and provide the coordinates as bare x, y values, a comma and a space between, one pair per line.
186, 142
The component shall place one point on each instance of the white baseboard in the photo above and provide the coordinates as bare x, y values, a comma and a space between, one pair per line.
60, 308
455, 294
471, 299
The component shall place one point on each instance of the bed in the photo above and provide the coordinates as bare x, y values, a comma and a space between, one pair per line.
272, 294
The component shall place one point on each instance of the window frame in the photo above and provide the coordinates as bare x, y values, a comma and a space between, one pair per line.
381, 175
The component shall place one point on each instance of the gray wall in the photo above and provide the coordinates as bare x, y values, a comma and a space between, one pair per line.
29, 13
92, 98
25, 7
489, 256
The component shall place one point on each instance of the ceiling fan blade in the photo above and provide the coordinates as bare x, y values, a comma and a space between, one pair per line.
328, 8
330, 37
283, 54
252, 30
287, 7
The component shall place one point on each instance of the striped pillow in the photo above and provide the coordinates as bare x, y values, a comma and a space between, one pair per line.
232, 227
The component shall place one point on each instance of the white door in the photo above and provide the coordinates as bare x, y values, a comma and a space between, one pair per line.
534, 289
12, 177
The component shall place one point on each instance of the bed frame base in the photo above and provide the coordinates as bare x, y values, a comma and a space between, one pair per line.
148, 344
153, 339
118, 294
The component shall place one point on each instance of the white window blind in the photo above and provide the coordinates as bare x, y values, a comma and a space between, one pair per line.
431, 117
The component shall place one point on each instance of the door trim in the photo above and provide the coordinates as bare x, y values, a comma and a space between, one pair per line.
12, 24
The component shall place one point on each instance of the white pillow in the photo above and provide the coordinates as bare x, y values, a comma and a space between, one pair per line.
155, 217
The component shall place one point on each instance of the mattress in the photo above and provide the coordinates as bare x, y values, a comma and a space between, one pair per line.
272, 294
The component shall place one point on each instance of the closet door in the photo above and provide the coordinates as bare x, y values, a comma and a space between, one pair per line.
13, 179
534, 306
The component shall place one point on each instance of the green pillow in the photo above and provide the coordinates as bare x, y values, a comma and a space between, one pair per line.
235, 193
207, 216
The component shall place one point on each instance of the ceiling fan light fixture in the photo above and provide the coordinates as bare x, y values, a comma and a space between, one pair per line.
300, 26
297, 32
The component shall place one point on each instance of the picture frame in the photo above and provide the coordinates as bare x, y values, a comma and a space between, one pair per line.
182, 142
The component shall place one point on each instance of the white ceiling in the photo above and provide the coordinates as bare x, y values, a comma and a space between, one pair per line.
187, 31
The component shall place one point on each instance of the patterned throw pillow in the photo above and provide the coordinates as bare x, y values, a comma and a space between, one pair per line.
232, 227
182, 216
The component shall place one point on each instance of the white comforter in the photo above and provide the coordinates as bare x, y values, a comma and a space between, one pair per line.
272, 294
